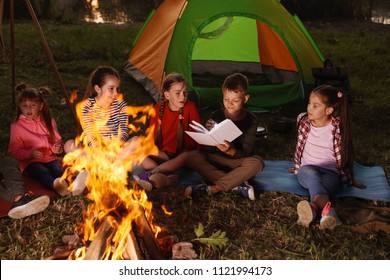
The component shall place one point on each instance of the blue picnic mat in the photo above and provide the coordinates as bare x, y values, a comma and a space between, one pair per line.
275, 177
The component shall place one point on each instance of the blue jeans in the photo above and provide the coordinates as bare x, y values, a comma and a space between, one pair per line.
45, 173
318, 180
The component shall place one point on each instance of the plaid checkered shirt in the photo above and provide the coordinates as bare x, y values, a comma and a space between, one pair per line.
303, 133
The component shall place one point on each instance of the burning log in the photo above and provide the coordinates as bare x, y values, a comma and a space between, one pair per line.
141, 243
143, 227
102, 239
118, 224
132, 251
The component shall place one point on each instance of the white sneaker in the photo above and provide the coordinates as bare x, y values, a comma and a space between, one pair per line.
61, 187
28, 205
79, 183
306, 215
245, 190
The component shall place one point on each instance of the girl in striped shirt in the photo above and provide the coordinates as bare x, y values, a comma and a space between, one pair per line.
103, 112
104, 116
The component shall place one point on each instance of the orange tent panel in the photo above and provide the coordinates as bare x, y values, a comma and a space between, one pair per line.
272, 50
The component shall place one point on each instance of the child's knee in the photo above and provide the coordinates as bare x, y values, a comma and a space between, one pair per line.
69, 146
256, 162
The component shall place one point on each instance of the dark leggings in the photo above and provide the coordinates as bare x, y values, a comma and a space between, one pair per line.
45, 173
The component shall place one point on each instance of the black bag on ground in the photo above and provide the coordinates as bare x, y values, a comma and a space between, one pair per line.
333, 76
329, 75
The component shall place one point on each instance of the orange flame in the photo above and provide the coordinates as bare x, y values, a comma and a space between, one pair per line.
108, 165
73, 96
164, 208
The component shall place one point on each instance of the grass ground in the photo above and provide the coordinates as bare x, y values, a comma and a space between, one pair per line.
264, 229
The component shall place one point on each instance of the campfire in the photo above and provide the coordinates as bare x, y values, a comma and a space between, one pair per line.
118, 223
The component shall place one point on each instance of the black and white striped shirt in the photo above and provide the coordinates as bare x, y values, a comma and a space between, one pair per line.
107, 123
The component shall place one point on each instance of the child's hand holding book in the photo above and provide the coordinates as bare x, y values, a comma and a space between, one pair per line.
210, 124
218, 134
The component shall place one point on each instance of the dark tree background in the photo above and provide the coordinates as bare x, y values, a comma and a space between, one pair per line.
331, 9
69, 10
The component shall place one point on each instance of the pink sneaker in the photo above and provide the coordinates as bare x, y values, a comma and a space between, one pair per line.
329, 218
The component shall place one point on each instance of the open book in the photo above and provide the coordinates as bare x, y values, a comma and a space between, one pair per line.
225, 130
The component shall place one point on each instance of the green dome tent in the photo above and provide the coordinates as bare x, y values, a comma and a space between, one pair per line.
207, 40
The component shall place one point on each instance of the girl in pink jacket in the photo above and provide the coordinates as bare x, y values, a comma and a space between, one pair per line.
35, 141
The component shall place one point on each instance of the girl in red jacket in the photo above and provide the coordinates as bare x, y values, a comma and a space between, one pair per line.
174, 113
35, 141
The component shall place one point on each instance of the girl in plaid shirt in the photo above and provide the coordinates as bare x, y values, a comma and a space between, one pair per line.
323, 156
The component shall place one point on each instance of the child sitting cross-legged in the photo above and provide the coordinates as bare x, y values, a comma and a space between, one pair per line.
174, 114
230, 165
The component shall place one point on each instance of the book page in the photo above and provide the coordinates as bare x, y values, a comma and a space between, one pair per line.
225, 130
202, 138
198, 127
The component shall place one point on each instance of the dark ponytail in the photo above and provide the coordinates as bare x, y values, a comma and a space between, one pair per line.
98, 77
338, 100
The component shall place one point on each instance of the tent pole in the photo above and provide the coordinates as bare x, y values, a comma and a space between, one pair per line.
3, 53
52, 62
11, 26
